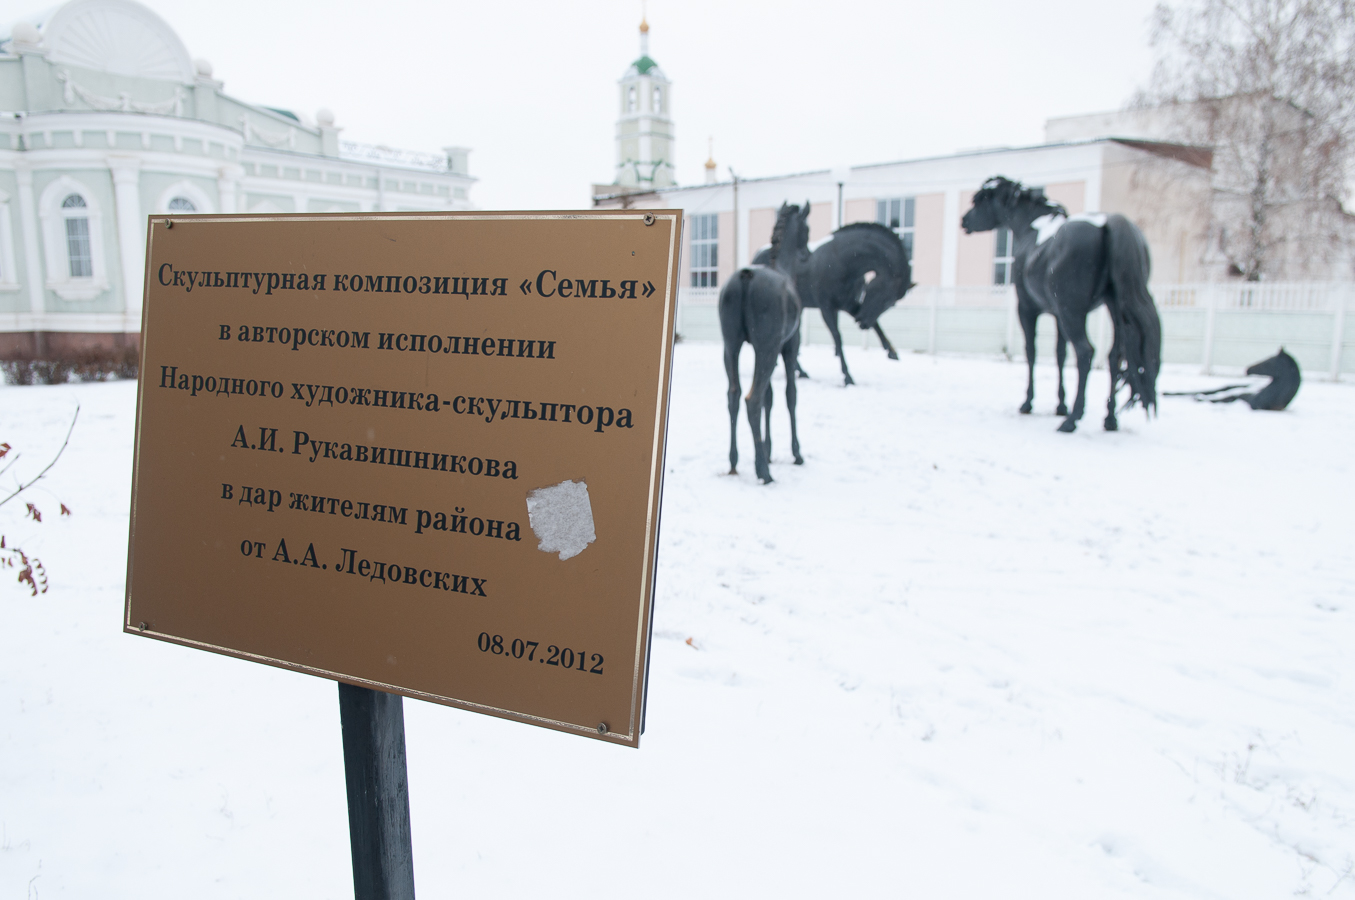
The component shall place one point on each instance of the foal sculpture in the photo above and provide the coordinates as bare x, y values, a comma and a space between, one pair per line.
760, 306
1285, 379
1068, 266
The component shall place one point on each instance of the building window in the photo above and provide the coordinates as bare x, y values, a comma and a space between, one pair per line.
78, 255
896, 214
658, 100
182, 204
72, 240
1003, 257
705, 250
630, 99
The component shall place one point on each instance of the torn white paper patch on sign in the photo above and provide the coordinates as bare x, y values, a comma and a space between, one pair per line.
561, 517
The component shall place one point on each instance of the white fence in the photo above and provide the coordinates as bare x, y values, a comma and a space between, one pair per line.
1229, 325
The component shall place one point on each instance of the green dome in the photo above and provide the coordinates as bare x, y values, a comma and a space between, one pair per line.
644, 64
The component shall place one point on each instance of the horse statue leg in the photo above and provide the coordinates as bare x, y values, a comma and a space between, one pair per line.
830, 319
884, 342
1076, 330
763, 365
1027, 313
767, 418
1114, 360
788, 354
1060, 354
732, 350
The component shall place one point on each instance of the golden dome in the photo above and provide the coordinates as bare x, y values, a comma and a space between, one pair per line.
644, 26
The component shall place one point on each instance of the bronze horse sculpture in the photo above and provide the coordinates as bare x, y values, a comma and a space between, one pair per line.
1068, 266
862, 270
760, 306
1285, 379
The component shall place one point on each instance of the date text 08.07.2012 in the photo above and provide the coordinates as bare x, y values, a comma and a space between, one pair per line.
554, 656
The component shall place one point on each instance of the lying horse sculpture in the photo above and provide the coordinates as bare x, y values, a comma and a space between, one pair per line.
1068, 267
862, 269
1285, 379
760, 306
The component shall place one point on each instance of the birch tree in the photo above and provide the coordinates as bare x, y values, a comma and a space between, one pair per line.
1270, 86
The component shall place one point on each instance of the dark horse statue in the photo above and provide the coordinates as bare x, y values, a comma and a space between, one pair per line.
1285, 379
760, 306
1068, 267
862, 270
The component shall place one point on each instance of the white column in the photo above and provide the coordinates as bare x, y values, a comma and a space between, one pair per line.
28, 227
646, 148
380, 191
131, 228
1093, 188
950, 237
228, 188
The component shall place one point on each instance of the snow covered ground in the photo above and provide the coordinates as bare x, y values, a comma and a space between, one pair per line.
954, 655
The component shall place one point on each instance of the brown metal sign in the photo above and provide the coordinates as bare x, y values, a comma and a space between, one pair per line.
422, 453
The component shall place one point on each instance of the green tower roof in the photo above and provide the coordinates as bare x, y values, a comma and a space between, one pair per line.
644, 64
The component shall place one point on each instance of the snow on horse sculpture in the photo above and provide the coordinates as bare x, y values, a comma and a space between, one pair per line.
760, 306
862, 269
1285, 379
1068, 266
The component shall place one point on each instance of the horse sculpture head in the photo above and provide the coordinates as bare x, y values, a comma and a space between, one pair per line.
885, 285
790, 235
999, 199
1279, 365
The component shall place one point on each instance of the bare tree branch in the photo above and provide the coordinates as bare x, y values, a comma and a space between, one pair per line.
46, 468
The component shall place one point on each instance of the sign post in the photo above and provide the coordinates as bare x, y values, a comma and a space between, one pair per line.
419, 454
378, 793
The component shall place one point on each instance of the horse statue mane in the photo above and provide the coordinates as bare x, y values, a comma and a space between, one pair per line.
895, 242
1008, 193
784, 217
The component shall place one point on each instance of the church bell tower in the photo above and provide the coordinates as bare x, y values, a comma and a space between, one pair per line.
644, 132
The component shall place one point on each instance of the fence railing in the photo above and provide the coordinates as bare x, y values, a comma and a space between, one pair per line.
393, 156
1226, 325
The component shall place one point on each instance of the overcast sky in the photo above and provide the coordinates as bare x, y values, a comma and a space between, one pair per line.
781, 87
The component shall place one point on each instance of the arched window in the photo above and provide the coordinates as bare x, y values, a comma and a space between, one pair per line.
658, 100
73, 240
182, 204
78, 256
630, 100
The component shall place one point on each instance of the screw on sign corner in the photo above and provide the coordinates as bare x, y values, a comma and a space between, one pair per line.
140, 626
169, 223
602, 728
649, 218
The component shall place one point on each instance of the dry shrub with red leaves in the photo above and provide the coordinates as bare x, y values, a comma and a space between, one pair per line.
31, 570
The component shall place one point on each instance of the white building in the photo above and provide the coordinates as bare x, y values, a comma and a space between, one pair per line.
1161, 186
963, 301
105, 120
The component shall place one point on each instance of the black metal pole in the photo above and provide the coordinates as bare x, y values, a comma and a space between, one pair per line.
378, 793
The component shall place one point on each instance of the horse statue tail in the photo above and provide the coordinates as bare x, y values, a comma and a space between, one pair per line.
1138, 329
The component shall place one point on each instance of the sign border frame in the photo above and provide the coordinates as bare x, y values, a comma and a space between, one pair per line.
653, 503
